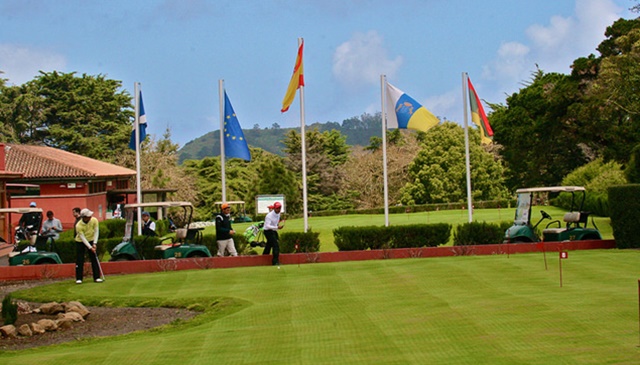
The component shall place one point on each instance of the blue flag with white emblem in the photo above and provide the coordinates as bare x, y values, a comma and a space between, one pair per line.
234, 143
142, 121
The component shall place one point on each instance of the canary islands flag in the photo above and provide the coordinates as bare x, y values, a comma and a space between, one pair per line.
142, 121
234, 143
406, 113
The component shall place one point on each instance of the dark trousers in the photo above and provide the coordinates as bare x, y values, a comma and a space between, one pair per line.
81, 249
272, 242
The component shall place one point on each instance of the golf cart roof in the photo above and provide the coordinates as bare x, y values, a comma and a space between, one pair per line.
20, 210
158, 205
230, 202
553, 189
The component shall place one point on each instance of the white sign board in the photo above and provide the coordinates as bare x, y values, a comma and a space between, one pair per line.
264, 201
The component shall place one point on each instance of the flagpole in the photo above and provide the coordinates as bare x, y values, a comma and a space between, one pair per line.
222, 156
136, 89
466, 145
383, 81
303, 141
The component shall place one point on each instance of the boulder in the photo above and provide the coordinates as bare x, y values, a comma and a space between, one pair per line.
78, 308
8, 331
64, 322
73, 316
25, 330
51, 308
37, 328
48, 324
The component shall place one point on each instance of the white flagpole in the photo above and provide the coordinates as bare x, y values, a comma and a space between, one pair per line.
222, 156
466, 145
383, 81
136, 89
304, 154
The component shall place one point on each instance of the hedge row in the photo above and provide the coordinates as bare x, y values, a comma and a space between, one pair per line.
624, 209
503, 203
480, 233
378, 237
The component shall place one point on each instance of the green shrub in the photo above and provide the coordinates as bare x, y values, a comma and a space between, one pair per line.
66, 249
349, 238
625, 214
476, 233
9, 310
308, 242
596, 176
378, 237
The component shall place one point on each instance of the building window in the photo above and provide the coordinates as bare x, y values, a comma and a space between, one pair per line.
97, 187
122, 184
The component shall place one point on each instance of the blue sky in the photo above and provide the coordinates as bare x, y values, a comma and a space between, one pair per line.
179, 49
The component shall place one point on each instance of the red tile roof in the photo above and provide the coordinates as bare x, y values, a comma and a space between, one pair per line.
47, 162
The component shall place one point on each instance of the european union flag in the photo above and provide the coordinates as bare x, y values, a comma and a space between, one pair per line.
234, 143
142, 121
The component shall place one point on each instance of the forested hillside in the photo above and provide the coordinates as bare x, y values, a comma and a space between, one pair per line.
358, 131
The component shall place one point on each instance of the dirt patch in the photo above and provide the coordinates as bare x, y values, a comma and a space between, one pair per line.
101, 322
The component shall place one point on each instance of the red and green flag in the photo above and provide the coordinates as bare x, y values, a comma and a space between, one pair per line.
478, 115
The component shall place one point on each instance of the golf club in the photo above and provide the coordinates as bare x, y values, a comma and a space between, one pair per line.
99, 266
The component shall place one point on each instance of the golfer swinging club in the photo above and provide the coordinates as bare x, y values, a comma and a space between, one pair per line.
87, 228
270, 228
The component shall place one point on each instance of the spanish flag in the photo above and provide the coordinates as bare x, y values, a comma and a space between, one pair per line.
297, 80
478, 116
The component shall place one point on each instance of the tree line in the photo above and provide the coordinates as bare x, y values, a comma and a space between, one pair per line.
581, 128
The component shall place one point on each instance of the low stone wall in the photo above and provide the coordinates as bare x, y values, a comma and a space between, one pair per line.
38, 272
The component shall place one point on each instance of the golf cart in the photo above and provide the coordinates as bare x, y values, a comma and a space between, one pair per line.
240, 215
575, 228
35, 252
185, 244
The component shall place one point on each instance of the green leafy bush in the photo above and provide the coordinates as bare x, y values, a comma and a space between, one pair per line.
625, 214
596, 176
477, 233
378, 237
9, 310
308, 242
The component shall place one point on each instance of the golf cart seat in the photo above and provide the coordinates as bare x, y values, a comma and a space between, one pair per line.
572, 217
576, 219
181, 234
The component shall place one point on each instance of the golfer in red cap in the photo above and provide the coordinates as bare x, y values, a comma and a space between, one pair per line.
224, 232
271, 227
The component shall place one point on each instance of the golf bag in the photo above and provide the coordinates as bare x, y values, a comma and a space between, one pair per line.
254, 235
22, 234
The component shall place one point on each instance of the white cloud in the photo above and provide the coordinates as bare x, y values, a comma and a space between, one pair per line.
361, 60
556, 45
22, 64
446, 104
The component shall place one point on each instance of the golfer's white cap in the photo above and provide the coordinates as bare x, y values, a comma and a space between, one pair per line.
86, 213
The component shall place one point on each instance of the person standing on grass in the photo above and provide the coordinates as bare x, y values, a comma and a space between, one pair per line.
87, 232
224, 232
270, 228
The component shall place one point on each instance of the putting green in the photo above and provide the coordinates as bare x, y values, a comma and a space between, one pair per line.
471, 309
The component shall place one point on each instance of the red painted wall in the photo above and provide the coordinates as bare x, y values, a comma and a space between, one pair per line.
36, 272
61, 205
